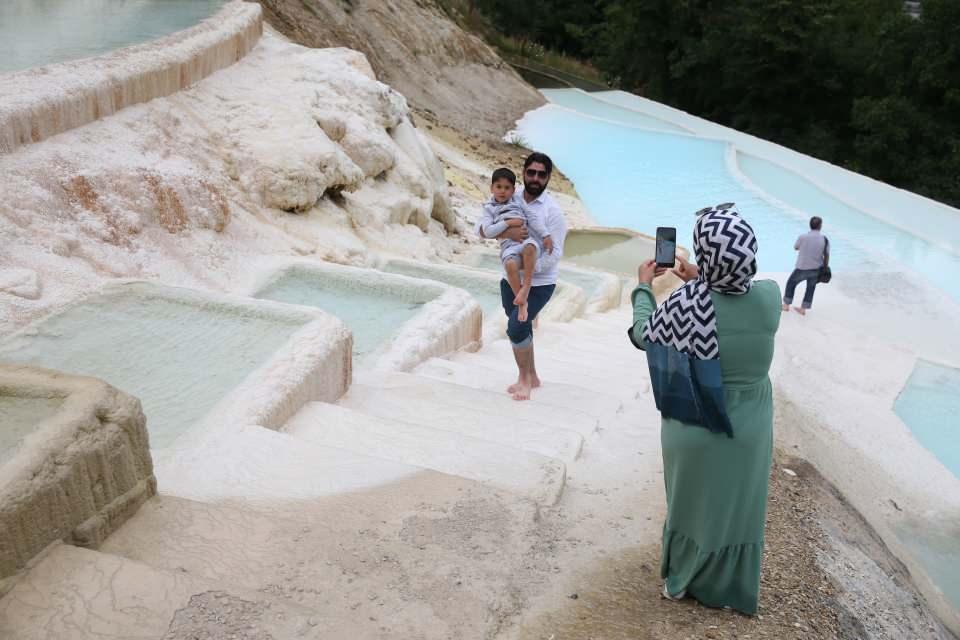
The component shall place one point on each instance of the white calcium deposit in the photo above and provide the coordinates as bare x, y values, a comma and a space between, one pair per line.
290, 151
41, 102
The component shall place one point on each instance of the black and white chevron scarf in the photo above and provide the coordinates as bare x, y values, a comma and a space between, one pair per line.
726, 250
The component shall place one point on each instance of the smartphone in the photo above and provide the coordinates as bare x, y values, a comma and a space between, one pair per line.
666, 255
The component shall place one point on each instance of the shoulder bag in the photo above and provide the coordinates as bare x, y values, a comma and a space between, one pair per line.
825, 273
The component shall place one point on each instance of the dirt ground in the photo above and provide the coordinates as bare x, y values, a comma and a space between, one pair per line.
806, 582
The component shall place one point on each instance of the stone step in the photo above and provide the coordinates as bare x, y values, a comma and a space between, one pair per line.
628, 369
73, 593
585, 338
569, 418
602, 405
554, 372
613, 321
367, 563
521, 472
260, 465
549, 431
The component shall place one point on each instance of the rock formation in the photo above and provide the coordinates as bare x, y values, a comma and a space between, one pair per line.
414, 47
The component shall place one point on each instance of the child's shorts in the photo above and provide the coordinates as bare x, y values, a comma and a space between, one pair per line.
513, 251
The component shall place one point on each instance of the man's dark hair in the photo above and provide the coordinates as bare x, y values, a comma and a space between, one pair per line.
542, 158
816, 222
504, 174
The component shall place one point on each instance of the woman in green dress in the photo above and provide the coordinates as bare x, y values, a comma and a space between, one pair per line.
709, 348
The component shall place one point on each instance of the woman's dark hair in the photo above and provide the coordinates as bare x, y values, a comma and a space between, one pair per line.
504, 174
816, 222
542, 158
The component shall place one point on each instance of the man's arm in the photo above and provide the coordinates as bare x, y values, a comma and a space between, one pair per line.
557, 226
535, 222
796, 245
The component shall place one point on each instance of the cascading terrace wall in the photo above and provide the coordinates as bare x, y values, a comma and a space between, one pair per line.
38, 103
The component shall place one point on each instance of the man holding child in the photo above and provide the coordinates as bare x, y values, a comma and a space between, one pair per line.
531, 262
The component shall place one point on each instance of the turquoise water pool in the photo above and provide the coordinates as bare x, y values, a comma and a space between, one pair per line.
929, 405
632, 171
483, 289
584, 103
642, 179
935, 221
937, 547
372, 316
179, 358
39, 32
591, 283
933, 261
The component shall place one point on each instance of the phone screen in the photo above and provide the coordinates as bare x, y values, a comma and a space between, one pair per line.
666, 255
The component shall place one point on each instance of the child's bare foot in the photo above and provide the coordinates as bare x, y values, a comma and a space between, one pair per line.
522, 312
521, 298
785, 307
800, 310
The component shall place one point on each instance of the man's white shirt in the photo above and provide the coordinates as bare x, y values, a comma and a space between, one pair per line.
549, 211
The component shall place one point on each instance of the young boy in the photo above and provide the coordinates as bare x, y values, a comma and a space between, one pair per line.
500, 213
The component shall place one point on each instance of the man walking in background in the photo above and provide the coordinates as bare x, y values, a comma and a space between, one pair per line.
537, 169
813, 253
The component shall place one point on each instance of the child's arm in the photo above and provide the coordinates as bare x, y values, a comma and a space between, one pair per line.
488, 226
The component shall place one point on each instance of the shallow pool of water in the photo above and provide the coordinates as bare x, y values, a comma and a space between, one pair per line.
39, 32
483, 289
930, 260
619, 253
642, 179
585, 103
932, 220
20, 417
589, 282
937, 547
178, 358
372, 316
929, 405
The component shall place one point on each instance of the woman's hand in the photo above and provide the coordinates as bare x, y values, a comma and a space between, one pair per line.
647, 272
685, 271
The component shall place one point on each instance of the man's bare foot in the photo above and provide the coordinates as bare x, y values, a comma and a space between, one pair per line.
800, 310
521, 393
512, 389
534, 382
785, 307
522, 312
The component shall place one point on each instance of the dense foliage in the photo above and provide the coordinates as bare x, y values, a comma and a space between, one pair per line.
856, 82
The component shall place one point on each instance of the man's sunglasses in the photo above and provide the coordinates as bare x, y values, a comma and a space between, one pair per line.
536, 173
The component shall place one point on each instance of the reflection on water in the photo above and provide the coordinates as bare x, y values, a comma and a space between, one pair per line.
38, 32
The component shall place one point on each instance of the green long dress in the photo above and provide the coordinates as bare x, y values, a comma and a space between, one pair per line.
717, 486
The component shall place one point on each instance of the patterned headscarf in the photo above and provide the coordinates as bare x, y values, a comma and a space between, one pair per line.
726, 252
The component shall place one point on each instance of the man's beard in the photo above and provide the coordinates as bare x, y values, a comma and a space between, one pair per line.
534, 188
